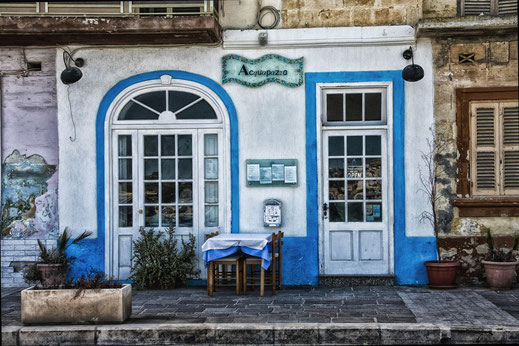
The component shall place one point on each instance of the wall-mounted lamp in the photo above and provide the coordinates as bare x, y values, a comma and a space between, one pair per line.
71, 74
411, 73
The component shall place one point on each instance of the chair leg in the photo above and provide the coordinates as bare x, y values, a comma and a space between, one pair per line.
273, 278
262, 282
210, 279
238, 277
244, 278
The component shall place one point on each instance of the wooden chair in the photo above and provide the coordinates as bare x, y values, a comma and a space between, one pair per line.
259, 278
219, 276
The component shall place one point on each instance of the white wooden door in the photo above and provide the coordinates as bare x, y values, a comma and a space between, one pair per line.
163, 177
355, 202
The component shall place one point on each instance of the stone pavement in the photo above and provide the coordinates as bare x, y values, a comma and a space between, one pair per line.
460, 315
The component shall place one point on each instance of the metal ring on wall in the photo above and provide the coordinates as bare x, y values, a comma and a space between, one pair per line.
266, 10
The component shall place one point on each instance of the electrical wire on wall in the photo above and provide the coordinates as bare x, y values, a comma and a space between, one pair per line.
264, 11
72, 139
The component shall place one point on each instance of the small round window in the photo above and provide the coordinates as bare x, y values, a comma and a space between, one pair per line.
167, 104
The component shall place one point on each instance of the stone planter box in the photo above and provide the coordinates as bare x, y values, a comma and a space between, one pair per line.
106, 305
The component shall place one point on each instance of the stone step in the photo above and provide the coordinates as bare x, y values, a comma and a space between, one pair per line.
356, 280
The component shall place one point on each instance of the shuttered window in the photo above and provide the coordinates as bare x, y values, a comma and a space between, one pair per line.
494, 154
488, 7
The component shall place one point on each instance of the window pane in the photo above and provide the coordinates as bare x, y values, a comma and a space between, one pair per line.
200, 110
151, 146
211, 145
168, 216
185, 218
373, 107
151, 169
134, 111
353, 107
155, 100
185, 192
168, 169
125, 169
354, 145
337, 212
373, 145
211, 192
355, 189
336, 168
184, 145
168, 192
151, 193
151, 216
373, 189
373, 168
334, 107
336, 146
211, 216
374, 212
167, 145
336, 190
125, 193
355, 212
211, 168
125, 216
185, 169
125, 145
354, 168
179, 99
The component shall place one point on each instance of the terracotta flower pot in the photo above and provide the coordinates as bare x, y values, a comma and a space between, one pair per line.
52, 275
500, 275
442, 275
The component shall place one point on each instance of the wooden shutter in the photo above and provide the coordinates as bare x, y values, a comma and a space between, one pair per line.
476, 7
507, 7
484, 159
510, 147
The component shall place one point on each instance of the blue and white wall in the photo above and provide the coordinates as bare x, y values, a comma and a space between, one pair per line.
272, 123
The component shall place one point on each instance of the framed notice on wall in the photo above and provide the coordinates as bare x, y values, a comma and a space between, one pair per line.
271, 172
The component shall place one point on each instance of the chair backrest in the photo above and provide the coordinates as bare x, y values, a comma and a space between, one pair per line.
210, 235
277, 242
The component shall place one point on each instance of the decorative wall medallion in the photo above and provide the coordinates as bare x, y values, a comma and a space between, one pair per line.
269, 68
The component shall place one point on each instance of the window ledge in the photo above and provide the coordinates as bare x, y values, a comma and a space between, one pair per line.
488, 206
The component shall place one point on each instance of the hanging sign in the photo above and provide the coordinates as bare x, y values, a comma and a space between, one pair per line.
267, 69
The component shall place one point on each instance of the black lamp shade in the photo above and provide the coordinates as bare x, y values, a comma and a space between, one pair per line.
412, 73
71, 75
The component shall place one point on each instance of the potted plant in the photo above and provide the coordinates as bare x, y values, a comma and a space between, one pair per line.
500, 265
441, 273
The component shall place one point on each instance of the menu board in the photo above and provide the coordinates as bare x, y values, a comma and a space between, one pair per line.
281, 172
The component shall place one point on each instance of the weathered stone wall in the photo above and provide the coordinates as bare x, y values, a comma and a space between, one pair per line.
439, 8
29, 154
331, 13
496, 65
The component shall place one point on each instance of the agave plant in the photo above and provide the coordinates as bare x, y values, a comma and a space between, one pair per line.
500, 255
58, 254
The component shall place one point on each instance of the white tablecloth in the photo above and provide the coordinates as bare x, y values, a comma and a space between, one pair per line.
256, 241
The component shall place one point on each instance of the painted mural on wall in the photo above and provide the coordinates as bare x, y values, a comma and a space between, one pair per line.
29, 198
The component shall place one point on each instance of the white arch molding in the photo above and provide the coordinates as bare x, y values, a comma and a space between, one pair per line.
166, 124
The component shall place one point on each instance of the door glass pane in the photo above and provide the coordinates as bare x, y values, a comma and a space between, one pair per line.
373, 189
373, 107
337, 212
355, 189
168, 216
373, 212
125, 216
336, 146
151, 193
355, 212
125, 169
151, 216
184, 145
151, 169
125, 145
336, 190
185, 192
373, 168
211, 216
180, 99
373, 145
336, 168
185, 216
151, 146
211, 192
168, 192
168, 169
200, 110
211, 168
125, 193
185, 168
354, 145
353, 107
167, 145
211, 145
334, 107
355, 168
155, 100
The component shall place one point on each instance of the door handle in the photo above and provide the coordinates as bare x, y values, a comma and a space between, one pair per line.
325, 210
